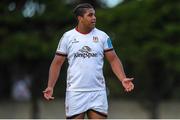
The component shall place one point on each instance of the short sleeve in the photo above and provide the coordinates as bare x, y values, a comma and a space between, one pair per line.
62, 46
107, 44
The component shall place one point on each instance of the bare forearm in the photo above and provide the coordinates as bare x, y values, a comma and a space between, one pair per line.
55, 70
117, 68
53, 74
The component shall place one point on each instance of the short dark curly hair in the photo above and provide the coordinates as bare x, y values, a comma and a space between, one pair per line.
80, 9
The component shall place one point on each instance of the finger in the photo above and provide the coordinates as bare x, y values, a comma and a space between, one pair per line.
128, 89
49, 98
46, 96
131, 78
132, 86
52, 98
45, 91
128, 79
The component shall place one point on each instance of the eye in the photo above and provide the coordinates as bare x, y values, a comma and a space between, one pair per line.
90, 14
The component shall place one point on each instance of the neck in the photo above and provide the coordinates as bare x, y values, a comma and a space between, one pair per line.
82, 29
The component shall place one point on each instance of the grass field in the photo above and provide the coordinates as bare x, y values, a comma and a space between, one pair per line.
117, 109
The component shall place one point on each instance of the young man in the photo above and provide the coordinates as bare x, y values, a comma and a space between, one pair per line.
85, 47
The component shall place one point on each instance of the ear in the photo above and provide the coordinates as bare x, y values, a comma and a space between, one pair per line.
79, 18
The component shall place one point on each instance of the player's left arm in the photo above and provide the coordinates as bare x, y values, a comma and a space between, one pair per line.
118, 70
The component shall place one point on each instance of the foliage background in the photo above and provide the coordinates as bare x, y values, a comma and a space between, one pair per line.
145, 35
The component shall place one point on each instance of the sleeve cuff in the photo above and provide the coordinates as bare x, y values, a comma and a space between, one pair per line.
61, 54
107, 50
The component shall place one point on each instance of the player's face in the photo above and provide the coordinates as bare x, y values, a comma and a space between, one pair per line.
89, 18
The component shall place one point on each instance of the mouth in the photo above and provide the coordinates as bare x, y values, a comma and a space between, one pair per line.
93, 23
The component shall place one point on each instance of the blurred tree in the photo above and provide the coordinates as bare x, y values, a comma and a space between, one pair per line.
145, 34
94, 3
29, 35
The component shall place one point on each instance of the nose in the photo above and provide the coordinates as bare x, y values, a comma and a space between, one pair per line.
94, 17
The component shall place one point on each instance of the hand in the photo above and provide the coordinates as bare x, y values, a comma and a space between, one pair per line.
48, 92
127, 84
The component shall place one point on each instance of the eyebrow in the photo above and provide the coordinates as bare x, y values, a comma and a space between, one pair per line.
91, 14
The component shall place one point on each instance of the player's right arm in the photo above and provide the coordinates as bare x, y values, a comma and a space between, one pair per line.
53, 76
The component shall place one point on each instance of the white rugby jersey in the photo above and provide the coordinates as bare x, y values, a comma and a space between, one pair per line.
85, 53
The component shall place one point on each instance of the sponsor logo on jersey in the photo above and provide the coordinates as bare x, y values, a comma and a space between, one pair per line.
95, 39
75, 41
85, 52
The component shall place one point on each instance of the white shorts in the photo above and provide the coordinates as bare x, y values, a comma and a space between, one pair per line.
80, 101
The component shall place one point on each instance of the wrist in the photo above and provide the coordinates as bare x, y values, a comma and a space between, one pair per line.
127, 79
50, 87
124, 79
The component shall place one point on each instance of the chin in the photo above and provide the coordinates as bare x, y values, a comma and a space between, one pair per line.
92, 27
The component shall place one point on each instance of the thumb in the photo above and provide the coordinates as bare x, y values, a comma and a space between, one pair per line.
52, 98
46, 90
131, 79
127, 79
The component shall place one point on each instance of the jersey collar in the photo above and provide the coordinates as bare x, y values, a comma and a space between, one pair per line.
82, 32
